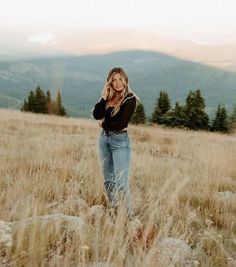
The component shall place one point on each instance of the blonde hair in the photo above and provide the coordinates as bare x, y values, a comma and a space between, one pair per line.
127, 90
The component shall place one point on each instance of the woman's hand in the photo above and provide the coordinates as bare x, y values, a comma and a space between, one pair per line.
100, 122
106, 91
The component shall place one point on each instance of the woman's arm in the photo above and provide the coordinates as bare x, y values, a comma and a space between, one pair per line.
99, 109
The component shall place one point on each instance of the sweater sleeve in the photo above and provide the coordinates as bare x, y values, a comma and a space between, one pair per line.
99, 109
123, 116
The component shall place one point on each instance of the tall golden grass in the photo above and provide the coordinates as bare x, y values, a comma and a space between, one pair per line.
50, 165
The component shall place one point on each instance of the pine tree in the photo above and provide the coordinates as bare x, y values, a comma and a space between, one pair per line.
50, 104
215, 123
224, 120
232, 120
199, 100
194, 109
221, 123
40, 103
31, 101
139, 115
156, 115
176, 117
25, 106
48, 97
161, 107
60, 109
164, 102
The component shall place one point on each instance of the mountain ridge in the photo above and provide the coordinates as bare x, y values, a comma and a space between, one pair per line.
81, 78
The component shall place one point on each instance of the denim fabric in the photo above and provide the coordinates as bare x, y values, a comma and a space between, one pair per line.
115, 155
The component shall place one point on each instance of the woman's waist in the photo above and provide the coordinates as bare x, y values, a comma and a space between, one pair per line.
114, 132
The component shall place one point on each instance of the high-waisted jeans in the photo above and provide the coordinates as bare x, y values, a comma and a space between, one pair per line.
115, 155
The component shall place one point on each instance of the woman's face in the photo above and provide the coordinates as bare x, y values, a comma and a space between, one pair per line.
117, 82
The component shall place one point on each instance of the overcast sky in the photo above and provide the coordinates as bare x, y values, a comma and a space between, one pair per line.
203, 21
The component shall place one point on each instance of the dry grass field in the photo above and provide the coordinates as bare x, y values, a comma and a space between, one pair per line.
53, 206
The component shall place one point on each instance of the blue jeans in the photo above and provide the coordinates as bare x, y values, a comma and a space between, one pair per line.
115, 154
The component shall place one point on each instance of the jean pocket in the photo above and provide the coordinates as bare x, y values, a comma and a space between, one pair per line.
120, 141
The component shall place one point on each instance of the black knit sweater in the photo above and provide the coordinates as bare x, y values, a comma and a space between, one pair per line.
121, 119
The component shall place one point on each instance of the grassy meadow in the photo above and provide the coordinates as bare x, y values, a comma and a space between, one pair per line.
183, 186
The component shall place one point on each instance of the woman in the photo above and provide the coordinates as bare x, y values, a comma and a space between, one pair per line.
114, 112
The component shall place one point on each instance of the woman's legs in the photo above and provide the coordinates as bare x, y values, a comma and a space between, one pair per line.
121, 155
115, 155
108, 169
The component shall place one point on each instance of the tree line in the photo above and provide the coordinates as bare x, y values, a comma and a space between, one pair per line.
39, 102
192, 115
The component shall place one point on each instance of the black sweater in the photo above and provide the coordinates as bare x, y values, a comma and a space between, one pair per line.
121, 119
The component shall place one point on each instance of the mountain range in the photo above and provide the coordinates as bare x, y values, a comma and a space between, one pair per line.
81, 78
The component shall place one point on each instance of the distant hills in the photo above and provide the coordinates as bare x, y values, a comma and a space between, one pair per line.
81, 78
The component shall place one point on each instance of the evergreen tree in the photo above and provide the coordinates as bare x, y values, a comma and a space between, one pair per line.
25, 106
48, 97
164, 102
232, 120
156, 115
194, 109
215, 123
224, 120
31, 101
139, 115
28, 104
60, 109
40, 102
161, 107
50, 104
199, 100
221, 123
176, 117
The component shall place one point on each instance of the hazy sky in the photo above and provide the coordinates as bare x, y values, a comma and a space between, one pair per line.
203, 21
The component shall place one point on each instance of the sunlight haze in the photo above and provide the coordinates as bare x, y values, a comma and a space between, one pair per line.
51, 22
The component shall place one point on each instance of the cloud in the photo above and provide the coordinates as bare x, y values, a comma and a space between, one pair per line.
43, 38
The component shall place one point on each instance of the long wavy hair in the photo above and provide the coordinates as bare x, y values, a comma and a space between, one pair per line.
111, 92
